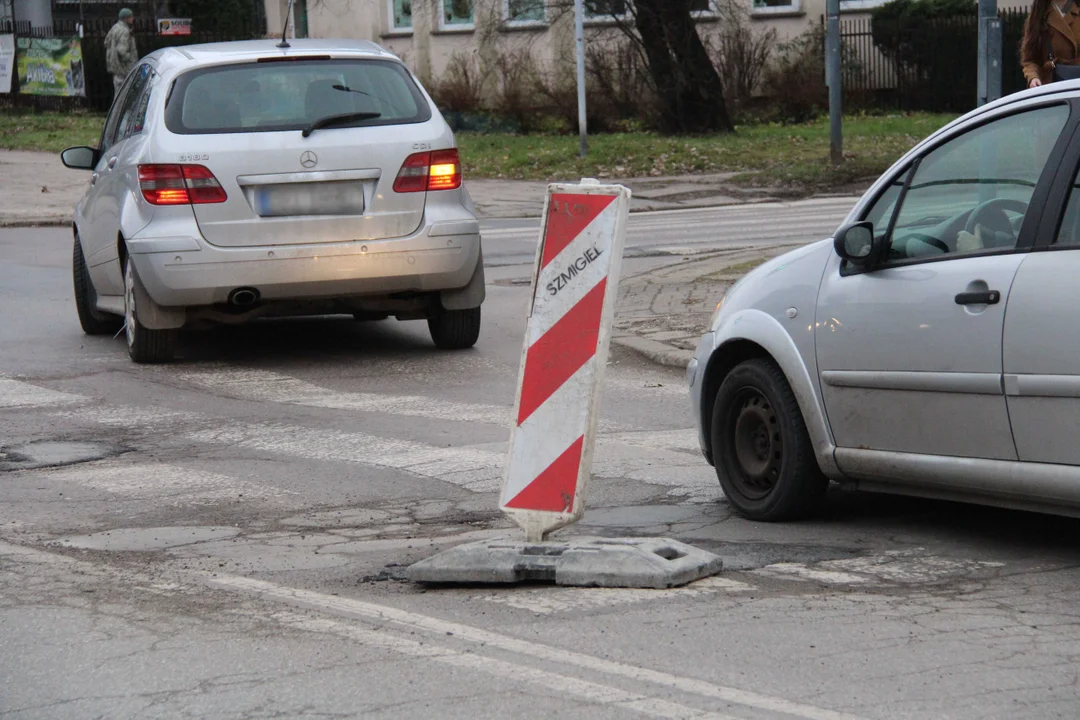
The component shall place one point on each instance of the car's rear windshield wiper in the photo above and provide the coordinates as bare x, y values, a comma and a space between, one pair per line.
376, 98
335, 119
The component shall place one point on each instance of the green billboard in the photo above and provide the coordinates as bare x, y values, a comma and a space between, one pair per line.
50, 66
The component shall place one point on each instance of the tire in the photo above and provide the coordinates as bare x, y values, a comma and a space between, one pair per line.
764, 458
144, 345
92, 320
455, 329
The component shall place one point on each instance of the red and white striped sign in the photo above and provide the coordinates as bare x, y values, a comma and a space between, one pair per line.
575, 283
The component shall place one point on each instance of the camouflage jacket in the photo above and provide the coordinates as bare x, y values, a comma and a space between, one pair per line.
120, 52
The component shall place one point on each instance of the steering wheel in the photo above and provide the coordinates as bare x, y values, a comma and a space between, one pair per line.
991, 215
929, 240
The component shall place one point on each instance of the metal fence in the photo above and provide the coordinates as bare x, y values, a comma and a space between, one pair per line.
930, 67
98, 82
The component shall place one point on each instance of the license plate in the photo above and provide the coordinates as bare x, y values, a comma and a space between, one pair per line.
345, 197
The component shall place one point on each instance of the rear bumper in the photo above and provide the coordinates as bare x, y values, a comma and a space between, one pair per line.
187, 271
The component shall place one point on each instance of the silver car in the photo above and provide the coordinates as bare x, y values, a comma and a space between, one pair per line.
242, 180
931, 348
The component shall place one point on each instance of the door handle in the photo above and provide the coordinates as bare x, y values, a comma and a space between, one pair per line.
94, 179
988, 297
112, 163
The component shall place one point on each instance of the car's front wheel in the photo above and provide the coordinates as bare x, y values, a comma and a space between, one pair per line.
144, 345
92, 320
764, 458
455, 329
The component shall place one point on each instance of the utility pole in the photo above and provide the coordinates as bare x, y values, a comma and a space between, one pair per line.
579, 39
833, 81
989, 52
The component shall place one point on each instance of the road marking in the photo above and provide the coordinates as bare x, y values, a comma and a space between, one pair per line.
386, 618
266, 386
515, 673
474, 468
16, 393
169, 484
909, 566
127, 416
561, 685
384, 614
547, 601
802, 572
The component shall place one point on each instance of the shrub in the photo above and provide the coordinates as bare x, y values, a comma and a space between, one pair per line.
459, 88
619, 80
558, 87
741, 55
795, 79
518, 97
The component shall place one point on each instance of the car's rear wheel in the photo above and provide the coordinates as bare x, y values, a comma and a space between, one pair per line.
455, 329
144, 345
92, 320
764, 458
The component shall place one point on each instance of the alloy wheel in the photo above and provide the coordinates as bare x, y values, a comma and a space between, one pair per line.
129, 303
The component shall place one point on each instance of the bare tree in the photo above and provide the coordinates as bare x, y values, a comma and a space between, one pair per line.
684, 78
742, 55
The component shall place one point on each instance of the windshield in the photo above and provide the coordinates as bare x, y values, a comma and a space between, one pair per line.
275, 96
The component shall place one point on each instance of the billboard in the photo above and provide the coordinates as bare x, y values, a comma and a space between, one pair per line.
50, 66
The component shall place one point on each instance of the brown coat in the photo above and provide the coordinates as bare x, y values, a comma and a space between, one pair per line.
1064, 33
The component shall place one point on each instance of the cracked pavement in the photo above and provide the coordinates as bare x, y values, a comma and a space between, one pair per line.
236, 546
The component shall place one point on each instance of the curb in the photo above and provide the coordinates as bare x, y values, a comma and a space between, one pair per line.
658, 352
35, 221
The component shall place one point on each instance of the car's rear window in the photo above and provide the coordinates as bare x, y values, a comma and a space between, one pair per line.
274, 96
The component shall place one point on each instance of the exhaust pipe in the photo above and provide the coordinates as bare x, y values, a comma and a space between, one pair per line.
243, 297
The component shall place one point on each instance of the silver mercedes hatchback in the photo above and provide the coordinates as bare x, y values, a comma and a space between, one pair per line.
236, 181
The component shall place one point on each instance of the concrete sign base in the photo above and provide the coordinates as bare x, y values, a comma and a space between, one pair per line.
586, 562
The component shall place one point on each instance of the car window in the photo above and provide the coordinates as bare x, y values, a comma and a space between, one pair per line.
970, 194
275, 96
109, 135
1069, 232
133, 111
882, 210
138, 119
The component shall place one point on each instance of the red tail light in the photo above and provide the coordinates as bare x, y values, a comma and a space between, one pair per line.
180, 185
202, 186
438, 170
413, 176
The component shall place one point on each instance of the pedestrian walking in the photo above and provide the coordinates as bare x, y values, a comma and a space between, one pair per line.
120, 51
1049, 48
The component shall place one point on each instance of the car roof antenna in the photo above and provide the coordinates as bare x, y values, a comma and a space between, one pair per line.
285, 30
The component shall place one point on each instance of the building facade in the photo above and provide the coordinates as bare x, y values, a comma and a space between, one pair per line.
428, 33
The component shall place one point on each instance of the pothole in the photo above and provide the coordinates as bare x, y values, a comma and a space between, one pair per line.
53, 453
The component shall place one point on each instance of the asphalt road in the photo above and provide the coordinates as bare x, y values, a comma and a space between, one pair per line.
235, 552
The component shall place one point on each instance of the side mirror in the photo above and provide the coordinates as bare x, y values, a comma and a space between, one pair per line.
855, 243
80, 158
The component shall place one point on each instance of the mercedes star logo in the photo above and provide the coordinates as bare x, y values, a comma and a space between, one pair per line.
309, 159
